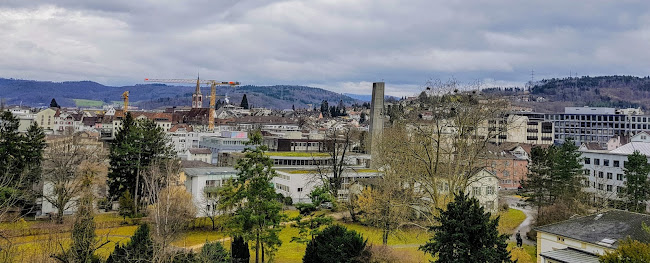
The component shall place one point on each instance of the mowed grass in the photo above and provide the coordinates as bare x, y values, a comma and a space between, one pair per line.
88, 103
510, 220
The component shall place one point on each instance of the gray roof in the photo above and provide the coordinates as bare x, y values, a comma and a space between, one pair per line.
629, 148
569, 255
200, 151
604, 229
206, 171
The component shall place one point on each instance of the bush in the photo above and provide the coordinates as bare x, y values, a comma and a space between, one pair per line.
337, 244
505, 207
288, 200
306, 209
138, 249
213, 252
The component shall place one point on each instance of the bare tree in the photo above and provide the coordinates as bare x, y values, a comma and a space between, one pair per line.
171, 206
442, 154
63, 171
210, 204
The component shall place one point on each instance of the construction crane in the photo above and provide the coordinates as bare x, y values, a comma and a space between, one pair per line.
213, 93
125, 96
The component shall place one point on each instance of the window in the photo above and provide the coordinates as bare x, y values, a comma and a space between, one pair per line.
596, 161
600, 174
617, 163
619, 189
606, 162
586, 172
587, 160
210, 183
299, 189
506, 174
619, 177
489, 190
476, 191
601, 186
609, 188
609, 176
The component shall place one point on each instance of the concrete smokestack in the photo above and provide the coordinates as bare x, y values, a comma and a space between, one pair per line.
376, 116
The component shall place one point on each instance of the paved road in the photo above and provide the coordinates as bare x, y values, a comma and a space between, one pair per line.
525, 226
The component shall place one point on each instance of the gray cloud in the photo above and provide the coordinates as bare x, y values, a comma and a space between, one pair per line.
340, 45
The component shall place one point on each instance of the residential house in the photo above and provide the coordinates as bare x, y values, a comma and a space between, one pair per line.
583, 239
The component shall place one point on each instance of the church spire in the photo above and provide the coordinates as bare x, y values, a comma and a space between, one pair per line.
197, 97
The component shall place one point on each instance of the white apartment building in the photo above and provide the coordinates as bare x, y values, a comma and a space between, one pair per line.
198, 180
604, 169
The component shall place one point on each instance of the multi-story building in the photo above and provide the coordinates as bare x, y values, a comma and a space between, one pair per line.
509, 163
596, 124
45, 118
604, 169
226, 142
523, 127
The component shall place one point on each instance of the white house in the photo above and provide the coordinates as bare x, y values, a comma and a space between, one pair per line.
582, 239
199, 154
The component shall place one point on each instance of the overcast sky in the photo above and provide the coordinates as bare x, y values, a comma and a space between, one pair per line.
340, 45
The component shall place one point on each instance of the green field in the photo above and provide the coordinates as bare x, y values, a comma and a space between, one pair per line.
34, 242
88, 103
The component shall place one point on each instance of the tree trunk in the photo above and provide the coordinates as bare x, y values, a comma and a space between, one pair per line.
384, 237
257, 248
212, 218
59, 215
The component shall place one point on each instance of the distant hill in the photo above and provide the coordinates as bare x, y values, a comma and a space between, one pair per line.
367, 98
150, 96
601, 91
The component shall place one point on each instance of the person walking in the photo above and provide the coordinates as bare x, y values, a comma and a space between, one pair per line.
520, 242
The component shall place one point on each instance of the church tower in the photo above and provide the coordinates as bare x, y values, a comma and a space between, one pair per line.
197, 97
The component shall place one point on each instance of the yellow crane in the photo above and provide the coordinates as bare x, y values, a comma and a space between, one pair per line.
125, 96
213, 93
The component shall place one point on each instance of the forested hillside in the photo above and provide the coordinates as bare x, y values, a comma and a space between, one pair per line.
149, 96
603, 91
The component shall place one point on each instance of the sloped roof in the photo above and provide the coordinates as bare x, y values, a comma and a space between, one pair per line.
570, 255
642, 147
600, 228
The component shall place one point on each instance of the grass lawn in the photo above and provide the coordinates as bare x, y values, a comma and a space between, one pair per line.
88, 103
193, 238
526, 254
510, 220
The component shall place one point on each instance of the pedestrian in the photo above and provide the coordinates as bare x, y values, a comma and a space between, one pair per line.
520, 241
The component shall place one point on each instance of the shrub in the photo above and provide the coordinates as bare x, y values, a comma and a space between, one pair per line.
288, 200
337, 244
138, 249
306, 209
505, 207
213, 252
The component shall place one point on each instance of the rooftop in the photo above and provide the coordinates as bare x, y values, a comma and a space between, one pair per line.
570, 255
604, 229
206, 171
200, 151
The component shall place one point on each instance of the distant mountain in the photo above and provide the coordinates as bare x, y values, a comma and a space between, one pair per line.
367, 98
150, 96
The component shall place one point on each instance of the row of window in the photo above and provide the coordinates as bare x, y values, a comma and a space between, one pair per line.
283, 176
478, 191
606, 162
282, 187
285, 162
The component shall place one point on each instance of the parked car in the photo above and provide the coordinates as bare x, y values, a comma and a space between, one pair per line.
326, 205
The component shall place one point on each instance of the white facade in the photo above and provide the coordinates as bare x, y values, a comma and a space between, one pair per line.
200, 178
604, 170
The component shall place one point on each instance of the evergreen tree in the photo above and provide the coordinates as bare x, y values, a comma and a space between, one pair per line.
336, 244
136, 146
213, 252
33, 146
637, 186
12, 160
244, 102
466, 234
239, 250
138, 250
257, 215
325, 108
53, 104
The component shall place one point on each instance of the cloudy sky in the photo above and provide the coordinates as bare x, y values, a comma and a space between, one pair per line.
341, 45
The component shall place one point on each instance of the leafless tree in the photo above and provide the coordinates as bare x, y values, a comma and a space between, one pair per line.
171, 206
63, 170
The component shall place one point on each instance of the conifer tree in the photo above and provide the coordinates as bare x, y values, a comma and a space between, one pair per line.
336, 244
637, 186
239, 252
244, 102
257, 214
53, 104
33, 145
136, 146
466, 234
138, 250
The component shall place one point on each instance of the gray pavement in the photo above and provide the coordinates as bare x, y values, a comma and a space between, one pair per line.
526, 225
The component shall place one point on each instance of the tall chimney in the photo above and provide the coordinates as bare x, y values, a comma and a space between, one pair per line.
376, 117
